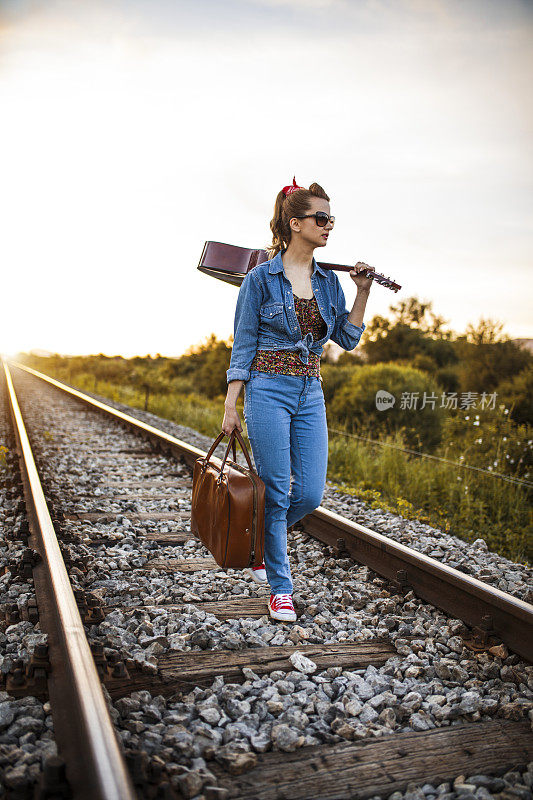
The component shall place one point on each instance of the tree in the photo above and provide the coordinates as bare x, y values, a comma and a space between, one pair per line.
203, 366
413, 330
485, 364
104, 368
403, 342
487, 331
417, 314
211, 376
145, 377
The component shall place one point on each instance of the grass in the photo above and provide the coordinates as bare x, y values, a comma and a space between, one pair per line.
467, 504
461, 502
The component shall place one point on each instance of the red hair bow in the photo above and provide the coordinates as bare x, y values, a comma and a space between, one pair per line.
290, 189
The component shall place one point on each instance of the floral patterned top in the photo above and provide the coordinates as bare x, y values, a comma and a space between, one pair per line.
287, 362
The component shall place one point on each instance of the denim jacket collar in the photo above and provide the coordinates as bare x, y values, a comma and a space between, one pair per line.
266, 318
276, 265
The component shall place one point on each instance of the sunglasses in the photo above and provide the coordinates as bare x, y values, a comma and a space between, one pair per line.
321, 218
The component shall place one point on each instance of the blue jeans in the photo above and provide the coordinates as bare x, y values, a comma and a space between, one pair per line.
286, 423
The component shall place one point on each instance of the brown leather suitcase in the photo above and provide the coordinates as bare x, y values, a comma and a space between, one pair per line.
228, 507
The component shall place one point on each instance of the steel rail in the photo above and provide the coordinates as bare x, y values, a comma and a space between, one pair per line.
490, 611
95, 766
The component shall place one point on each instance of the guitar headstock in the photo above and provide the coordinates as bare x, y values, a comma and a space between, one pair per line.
387, 282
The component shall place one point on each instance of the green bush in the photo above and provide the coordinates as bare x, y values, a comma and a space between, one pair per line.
354, 404
334, 377
517, 394
448, 378
424, 363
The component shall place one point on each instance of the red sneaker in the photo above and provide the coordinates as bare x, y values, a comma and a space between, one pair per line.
280, 607
258, 574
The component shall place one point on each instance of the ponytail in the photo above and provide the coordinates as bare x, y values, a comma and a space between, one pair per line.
294, 204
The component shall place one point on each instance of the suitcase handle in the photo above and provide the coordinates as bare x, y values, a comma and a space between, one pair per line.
234, 434
215, 444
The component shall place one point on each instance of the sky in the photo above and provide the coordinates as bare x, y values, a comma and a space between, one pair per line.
132, 131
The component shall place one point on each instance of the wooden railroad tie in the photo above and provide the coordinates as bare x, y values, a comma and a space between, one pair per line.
148, 484
122, 451
110, 516
234, 608
181, 564
382, 766
164, 538
124, 498
178, 671
168, 538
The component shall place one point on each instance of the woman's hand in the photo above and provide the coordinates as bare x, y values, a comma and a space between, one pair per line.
231, 420
231, 417
360, 280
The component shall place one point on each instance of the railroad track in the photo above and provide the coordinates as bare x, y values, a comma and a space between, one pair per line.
203, 695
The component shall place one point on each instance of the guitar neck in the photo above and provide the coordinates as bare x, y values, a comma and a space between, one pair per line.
388, 283
231, 263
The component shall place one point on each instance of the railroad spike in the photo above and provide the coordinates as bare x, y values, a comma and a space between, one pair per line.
113, 657
100, 660
340, 548
90, 607
32, 556
32, 610
39, 657
486, 623
119, 670
402, 581
484, 634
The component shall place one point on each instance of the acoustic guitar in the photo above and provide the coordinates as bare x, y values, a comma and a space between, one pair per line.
230, 263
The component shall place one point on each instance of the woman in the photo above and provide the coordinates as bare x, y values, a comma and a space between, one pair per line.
287, 309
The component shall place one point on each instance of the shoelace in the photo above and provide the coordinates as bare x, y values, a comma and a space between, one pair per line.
281, 601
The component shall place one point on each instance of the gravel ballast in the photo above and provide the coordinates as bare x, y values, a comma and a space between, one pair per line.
26, 726
434, 681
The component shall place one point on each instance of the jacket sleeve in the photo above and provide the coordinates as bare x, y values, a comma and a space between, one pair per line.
245, 329
344, 333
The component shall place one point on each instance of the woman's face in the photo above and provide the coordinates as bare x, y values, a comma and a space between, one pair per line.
307, 229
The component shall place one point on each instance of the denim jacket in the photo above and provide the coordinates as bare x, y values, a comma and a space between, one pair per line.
265, 318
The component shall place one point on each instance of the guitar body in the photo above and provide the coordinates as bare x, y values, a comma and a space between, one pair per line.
230, 263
